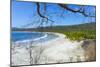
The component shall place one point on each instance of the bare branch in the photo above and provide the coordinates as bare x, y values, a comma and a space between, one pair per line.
67, 8
45, 7
39, 13
80, 10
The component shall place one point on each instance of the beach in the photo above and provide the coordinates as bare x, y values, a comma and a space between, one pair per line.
58, 50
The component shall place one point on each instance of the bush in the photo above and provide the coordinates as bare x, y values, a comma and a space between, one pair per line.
80, 35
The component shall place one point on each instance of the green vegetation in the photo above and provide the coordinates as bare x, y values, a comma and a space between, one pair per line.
80, 35
74, 32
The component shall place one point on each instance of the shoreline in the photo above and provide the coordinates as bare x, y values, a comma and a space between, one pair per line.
30, 40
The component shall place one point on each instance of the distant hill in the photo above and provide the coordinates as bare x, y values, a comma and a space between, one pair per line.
85, 26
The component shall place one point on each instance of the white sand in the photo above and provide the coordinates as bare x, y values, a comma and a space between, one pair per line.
58, 50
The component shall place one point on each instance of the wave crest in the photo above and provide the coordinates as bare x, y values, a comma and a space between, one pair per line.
31, 40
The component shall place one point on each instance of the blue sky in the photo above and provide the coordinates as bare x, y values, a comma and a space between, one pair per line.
24, 13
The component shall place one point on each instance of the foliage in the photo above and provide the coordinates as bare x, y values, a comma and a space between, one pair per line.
80, 35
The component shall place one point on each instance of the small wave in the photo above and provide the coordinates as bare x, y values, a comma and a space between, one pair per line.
29, 40
41, 37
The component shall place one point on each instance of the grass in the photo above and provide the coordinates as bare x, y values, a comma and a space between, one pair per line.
80, 35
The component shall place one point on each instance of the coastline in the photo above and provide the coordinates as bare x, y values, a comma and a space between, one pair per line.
57, 50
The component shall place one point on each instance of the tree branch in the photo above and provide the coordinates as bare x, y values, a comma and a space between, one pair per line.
80, 10
39, 13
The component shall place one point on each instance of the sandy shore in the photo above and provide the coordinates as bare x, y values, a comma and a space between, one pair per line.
58, 50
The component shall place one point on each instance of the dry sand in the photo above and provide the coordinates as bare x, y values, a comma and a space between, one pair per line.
58, 50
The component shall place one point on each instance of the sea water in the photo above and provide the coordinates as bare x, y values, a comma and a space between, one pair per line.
34, 36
